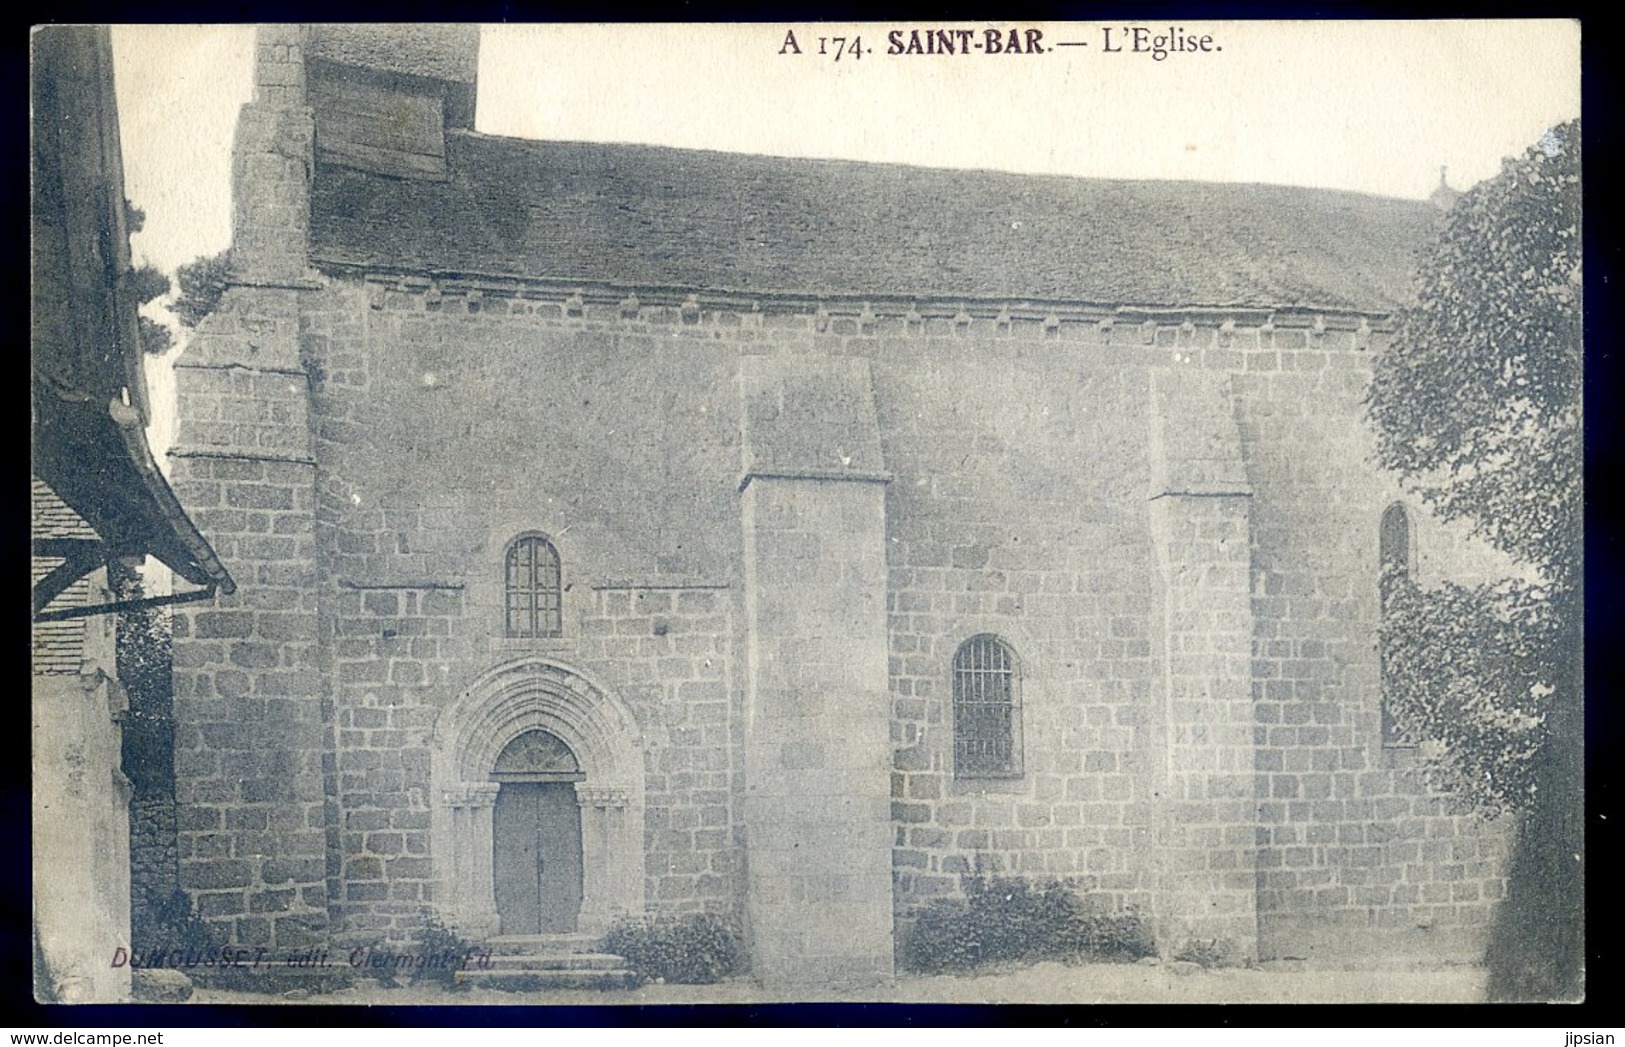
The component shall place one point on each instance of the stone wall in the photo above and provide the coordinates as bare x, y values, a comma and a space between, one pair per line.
383, 644
674, 648
1020, 507
253, 728
251, 731
432, 415
1359, 856
818, 828
80, 840
362, 448
1202, 784
665, 649
1023, 508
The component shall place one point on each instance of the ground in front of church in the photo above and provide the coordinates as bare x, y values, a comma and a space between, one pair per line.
1047, 983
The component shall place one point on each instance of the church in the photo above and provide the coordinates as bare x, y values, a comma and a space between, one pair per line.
624, 529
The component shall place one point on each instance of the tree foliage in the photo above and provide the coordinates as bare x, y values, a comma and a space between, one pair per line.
155, 337
145, 662
1478, 400
202, 282
1477, 405
1471, 671
148, 283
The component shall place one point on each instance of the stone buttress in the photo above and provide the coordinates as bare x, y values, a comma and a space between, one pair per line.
817, 753
252, 731
1203, 808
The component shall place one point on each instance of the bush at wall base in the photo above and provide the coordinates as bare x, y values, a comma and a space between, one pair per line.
1008, 920
688, 948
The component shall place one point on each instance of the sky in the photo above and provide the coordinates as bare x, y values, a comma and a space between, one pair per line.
1374, 107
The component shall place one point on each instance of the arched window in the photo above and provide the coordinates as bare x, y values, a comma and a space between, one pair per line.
534, 593
987, 710
1394, 546
1394, 563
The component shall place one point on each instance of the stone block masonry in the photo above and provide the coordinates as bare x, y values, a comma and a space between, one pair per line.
251, 730
1200, 514
428, 422
252, 713
672, 650
1051, 549
666, 648
1358, 855
271, 164
817, 815
1045, 549
1054, 549
386, 646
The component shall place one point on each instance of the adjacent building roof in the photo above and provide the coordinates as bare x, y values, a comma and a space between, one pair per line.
57, 647
635, 215
89, 408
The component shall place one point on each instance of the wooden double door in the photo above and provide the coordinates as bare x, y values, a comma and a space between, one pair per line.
536, 839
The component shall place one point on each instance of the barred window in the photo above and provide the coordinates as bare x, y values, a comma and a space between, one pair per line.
534, 593
987, 724
1394, 563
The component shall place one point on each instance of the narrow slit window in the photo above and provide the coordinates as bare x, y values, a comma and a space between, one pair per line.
987, 723
1394, 565
1394, 543
534, 592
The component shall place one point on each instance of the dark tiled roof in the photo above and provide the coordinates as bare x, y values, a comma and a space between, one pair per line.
51, 516
652, 216
58, 647
450, 53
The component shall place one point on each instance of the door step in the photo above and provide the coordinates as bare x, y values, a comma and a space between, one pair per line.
546, 980
542, 962
567, 961
532, 944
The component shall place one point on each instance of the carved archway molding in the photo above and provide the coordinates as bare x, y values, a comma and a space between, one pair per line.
535, 692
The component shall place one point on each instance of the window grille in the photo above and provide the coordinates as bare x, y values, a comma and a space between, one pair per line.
1394, 563
986, 710
534, 593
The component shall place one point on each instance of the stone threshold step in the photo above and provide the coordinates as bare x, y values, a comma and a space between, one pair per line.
511, 944
536, 981
555, 961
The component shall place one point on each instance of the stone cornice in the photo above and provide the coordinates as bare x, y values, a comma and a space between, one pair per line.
576, 298
843, 475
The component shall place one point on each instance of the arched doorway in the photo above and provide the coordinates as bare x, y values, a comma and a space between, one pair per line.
536, 836
538, 804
